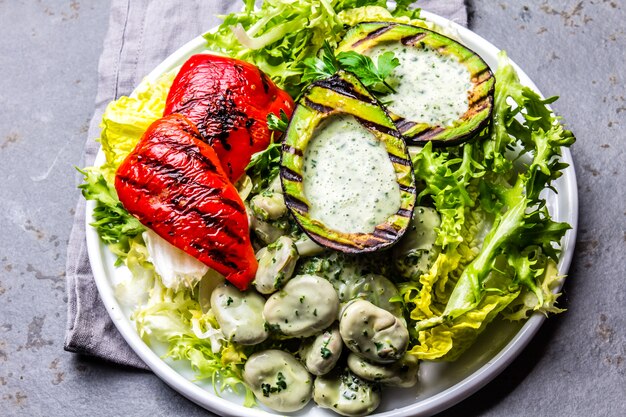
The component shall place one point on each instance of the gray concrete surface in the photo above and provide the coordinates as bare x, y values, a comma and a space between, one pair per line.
576, 366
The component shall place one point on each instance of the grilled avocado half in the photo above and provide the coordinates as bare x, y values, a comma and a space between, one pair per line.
360, 127
431, 65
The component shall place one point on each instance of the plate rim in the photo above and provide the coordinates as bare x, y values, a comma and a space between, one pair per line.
431, 405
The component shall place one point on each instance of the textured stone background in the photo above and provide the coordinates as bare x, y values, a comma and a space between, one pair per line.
49, 51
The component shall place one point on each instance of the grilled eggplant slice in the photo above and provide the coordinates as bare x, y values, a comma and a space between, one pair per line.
444, 91
340, 200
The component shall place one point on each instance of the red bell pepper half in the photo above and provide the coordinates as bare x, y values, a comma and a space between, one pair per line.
174, 184
228, 100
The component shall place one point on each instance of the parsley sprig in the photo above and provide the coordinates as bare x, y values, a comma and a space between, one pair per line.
373, 76
264, 165
277, 124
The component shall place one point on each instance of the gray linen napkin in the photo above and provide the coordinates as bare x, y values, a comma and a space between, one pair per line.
141, 34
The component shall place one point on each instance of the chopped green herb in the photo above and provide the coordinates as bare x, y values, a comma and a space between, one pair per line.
278, 124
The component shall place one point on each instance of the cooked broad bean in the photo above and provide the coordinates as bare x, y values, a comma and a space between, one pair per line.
268, 205
265, 231
211, 280
374, 288
278, 380
276, 264
372, 332
306, 246
402, 373
416, 252
305, 306
321, 354
239, 314
346, 393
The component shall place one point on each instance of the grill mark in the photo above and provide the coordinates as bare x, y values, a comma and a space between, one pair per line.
406, 189
179, 176
374, 34
186, 104
225, 116
482, 75
404, 125
344, 88
404, 213
373, 242
292, 150
298, 205
480, 103
215, 254
317, 107
209, 220
264, 81
131, 182
220, 257
480, 82
239, 69
428, 133
290, 175
188, 149
165, 169
186, 126
385, 233
398, 160
232, 203
413, 39
379, 128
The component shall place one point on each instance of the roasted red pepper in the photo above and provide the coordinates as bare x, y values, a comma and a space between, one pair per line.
229, 101
174, 184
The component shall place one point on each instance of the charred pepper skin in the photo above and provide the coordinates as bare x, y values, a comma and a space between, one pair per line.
228, 100
174, 184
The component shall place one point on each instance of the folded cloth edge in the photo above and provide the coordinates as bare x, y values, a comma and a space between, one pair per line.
89, 328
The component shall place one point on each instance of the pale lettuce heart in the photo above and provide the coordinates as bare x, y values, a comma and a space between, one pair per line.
176, 268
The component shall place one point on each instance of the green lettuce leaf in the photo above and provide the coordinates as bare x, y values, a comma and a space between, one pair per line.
176, 318
126, 119
115, 226
380, 13
524, 219
279, 35
447, 180
540, 298
476, 277
449, 340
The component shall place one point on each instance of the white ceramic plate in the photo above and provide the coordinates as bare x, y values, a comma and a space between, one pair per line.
441, 384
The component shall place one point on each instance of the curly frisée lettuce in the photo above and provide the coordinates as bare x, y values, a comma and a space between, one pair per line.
115, 226
512, 268
279, 35
176, 319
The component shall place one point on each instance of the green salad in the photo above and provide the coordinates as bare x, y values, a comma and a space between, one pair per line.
481, 243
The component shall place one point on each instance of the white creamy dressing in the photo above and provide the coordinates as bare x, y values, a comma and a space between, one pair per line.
430, 87
348, 177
